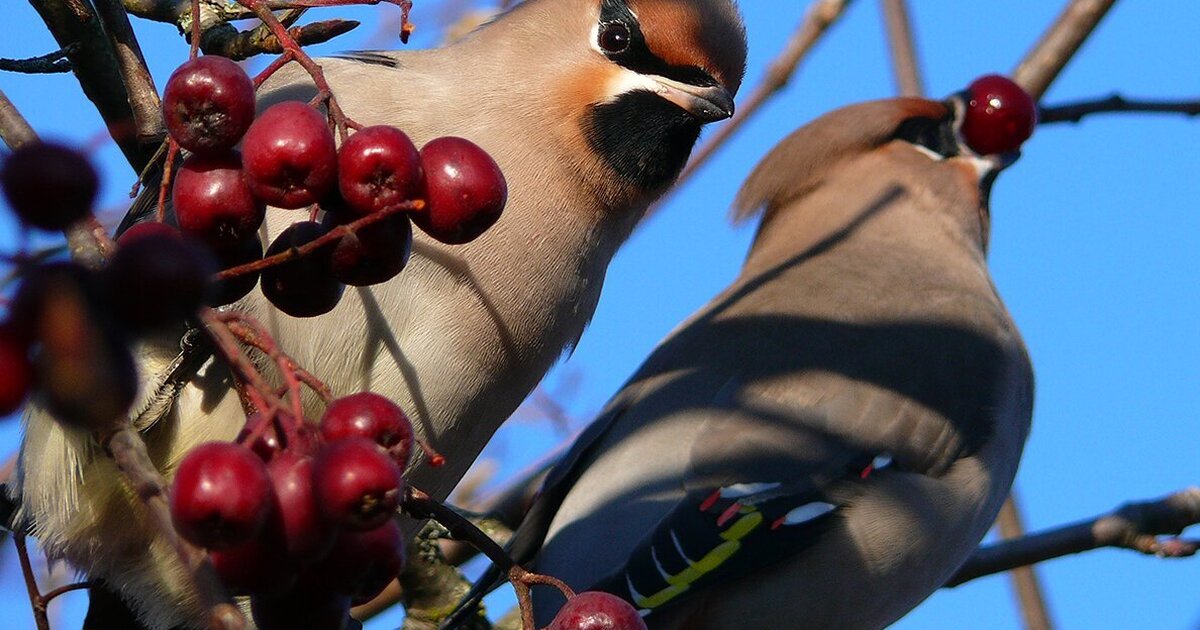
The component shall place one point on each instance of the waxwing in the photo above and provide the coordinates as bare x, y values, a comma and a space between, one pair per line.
825, 442
590, 107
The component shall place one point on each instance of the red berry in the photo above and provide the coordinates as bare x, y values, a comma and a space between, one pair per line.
259, 565
138, 231
16, 369
378, 168
304, 286
371, 416
356, 484
242, 252
465, 191
208, 104
221, 495
1000, 115
48, 185
298, 522
165, 265
290, 157
302, 441
213, 202
361, 564
595, 610
85, 375
373, 254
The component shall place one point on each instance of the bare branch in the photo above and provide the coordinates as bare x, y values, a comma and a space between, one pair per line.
149, 127
1075, 112
96, 68
1134, 526
1030, 597
14, 129
817, 20
1059, 44
238, 45
904, 50
49, 63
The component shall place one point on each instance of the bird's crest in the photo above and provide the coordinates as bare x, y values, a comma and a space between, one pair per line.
797, 164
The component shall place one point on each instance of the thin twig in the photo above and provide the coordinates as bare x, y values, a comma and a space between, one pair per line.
817, 20
420, 505
904, 51
1075, 112
35, 598
1030, 598
49, 63
1059, 44
258, 390
1134, 526
327, 238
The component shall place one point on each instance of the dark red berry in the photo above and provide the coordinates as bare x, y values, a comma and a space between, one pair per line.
361, 564
371, 416
48, 185
171, 268
289, 156
221, 495
375, 253
138, 231
301, 440
242, 252
298, 523
259, 565
465, 191
304, 286
378, 168
1000, 115
208, 104
595, 610
85, 375
213, 202
16, 371
356, 484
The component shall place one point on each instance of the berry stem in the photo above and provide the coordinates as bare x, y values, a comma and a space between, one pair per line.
293, 50
35, 598
325, 239
257, 389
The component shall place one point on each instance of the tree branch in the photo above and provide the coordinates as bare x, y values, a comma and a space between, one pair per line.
49, 63
1075, 112
1059, 44
14, 129
1030, 599
149, 127
96, 68
904, 51
1134, 526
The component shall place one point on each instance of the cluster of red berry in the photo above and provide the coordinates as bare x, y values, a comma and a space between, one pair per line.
289, 159
300, 519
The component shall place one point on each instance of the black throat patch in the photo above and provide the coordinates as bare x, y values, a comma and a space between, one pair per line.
644, 138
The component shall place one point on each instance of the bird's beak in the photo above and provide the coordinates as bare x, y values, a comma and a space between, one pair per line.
706, 104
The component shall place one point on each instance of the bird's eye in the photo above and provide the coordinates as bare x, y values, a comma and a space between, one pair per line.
614, 37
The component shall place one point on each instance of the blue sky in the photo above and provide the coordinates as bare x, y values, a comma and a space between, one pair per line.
1094, 247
